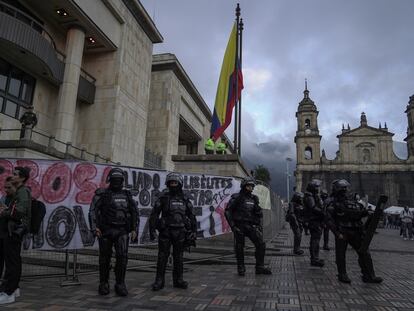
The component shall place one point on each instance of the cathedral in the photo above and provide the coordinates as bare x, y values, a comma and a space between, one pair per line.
365, 157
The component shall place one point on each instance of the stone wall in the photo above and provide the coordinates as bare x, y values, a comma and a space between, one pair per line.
212, 164
170, 100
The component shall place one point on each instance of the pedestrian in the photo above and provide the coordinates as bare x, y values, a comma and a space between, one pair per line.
245, 216
314, 217
172, 216
345, 221
406, 217
113, 217
5, 203
294, 217
18, 217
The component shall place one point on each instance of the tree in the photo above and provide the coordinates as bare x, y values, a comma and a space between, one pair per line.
262, 173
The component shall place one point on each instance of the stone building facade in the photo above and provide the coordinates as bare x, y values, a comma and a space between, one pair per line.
87, 70
365, 157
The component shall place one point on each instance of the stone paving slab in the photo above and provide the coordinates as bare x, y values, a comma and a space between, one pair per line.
294, 285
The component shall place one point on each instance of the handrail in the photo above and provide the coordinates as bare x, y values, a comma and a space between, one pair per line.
11, 10
67, 146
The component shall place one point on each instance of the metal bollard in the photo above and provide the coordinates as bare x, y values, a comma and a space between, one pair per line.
74, 280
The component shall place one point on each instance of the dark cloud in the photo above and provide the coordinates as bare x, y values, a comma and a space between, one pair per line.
357, 56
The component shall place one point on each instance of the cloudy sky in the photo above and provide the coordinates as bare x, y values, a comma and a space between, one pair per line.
357, 56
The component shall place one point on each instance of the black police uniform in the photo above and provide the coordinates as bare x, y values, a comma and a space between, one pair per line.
314, 217
244, 216
176, 226
326, 199
295, 216
344, 219
114, 212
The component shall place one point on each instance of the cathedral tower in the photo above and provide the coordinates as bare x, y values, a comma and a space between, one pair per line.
307, 137
410, 130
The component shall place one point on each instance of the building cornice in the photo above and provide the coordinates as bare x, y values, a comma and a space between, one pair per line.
144, 20
167, 61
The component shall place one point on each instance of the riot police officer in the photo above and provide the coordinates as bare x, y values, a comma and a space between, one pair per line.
325, 199
112, 216
295, 216
314, 217
244, 216
344, 218
177, 226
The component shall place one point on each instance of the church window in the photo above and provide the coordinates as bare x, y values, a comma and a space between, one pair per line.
307, 123
308, 153
366, 155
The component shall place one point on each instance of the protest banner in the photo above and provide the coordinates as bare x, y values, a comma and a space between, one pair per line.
67, 188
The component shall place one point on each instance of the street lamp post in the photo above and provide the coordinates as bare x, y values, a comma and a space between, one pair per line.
287, 178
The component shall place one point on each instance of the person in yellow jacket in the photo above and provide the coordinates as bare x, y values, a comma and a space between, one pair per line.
221, 148
209, 146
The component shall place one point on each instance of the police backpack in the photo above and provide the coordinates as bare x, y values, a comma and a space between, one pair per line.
38, 213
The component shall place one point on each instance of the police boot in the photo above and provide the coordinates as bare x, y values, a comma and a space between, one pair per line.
159, 279
371, 279
180, 284
121, 290
241, 269
260, 254
298, 252
103, 288
343, 277
367, 268
263, 270
178, 269
158, 284
317, 262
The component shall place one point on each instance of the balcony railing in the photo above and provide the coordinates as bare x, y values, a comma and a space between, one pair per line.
48, 144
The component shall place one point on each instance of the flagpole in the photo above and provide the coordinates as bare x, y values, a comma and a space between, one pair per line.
240, 99
236, 117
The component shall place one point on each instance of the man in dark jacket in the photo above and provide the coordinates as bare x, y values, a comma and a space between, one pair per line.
314, 217
18, 216
344, 216
112, 216
173, 218
295, 217
244, 215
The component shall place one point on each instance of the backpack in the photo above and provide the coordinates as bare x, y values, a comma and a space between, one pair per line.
38, 213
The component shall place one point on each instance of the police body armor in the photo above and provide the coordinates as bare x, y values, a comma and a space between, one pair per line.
313, 207
348, 213
114, 210
299, 211
246, 211
175, 213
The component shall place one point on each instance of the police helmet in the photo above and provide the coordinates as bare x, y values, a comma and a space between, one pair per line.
174, 177
248, 181
340, 186
297, 197
314, 185
115, 172
324, 194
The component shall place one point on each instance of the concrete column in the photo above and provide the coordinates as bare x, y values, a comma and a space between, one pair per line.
68, 92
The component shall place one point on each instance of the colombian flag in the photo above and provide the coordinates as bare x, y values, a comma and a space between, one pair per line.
226, 90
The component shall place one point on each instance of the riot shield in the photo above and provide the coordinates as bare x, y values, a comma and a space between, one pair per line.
373, 223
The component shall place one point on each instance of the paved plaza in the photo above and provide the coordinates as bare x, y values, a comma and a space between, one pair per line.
214, 284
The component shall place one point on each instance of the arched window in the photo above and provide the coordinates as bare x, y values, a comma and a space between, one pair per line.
366, 155
307, 123
308, 153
